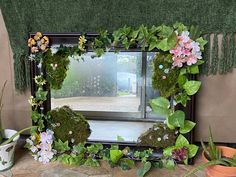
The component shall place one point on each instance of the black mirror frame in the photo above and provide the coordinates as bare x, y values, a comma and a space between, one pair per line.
60, 38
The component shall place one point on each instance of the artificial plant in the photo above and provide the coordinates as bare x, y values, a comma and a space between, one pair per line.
214, 156
178, 55
9, 140
1, 106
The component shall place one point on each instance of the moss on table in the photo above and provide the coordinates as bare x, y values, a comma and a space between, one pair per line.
69, 125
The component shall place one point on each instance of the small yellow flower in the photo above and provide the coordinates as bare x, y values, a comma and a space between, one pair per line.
37, 137
82, 41
42, 41
37, 36
46, 40
43, 47
31, 42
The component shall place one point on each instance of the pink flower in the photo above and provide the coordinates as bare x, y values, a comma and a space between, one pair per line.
178, 62
191, 60
186, 52
177, 51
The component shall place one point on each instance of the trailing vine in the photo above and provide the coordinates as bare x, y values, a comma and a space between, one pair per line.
178, 55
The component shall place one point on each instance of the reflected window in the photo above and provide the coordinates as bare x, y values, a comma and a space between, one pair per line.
115, 85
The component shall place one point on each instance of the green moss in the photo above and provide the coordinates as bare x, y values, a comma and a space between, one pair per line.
158, 136
69, 125
167, 86
56, 67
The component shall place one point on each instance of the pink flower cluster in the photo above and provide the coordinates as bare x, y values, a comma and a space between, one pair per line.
42, 148
186, 51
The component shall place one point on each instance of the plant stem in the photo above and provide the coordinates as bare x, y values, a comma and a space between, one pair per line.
16, 134
1, 106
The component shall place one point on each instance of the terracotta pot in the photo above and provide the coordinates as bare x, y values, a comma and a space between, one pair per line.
220, 170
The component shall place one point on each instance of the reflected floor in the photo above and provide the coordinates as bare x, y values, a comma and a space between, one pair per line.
108, 131
110, 104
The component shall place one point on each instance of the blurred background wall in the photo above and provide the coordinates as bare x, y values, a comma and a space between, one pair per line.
16, 110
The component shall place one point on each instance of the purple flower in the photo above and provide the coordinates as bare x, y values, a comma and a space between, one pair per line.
180, 154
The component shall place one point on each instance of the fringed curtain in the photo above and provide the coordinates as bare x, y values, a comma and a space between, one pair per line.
216, 19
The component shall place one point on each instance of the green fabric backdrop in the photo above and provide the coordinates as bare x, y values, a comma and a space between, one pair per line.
24, 16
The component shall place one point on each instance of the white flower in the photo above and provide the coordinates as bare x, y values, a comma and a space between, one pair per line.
46, 137
198, 55
185, 36
195, 46
30, 142
34, 149
39, 65
165, 137
45, 156
32, 137
158, 139
44, 148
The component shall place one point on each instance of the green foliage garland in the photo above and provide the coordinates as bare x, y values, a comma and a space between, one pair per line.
174, 82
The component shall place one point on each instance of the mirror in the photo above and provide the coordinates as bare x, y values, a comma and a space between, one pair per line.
112, 91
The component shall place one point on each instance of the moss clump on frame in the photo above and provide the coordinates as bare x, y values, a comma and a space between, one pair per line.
56, 67
164, 81
158, 136
69, 125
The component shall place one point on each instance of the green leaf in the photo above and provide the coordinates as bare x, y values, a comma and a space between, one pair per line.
191, 87
163, 45
94, 148
188, 126
180, 27
186, 160
177, 119
182, 79
126, 164
91, 162
134, 34
115, 155
202, 42
64, 158
168, 151
194, 32
182, 98
181, 141
152, 45
167, 43
192, 150
35, 115
183, 71
120, 138
168, 164
61, 147
40, 124
160, 106
161, 102
164, 31
41, 95
172, 40
143, 170
200, 62
80, 149
193, 69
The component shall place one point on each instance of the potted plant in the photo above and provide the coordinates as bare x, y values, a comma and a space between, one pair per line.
8, 140
220, 161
